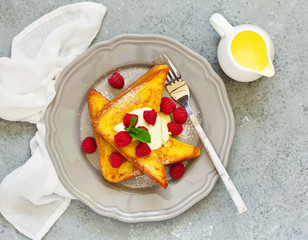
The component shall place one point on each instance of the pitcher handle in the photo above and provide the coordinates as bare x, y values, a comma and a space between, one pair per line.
220, 24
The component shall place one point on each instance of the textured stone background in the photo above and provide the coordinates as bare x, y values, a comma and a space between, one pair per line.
268, 161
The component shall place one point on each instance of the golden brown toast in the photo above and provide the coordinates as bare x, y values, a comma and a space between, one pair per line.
145, 92
127, 170
173, 151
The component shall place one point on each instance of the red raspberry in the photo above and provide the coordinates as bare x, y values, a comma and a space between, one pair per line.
143, 127
142, 149
116, 80
167, 105
116, 159
150, 117
180, 115
128, 118
175, 128
122, 139
177, 170
88, 145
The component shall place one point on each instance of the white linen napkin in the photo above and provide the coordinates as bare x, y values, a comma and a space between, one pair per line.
32, 197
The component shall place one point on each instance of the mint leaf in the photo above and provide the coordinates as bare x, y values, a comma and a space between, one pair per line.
139, 134
132, 123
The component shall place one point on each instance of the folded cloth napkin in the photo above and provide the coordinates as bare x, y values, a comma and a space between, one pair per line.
32, 197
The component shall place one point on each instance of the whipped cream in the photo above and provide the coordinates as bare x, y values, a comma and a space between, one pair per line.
159, 132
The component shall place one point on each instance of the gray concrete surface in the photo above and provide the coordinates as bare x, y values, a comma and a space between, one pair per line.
268, 161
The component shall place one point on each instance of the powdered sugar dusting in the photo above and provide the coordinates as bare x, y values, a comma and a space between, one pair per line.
139, 182
188, 131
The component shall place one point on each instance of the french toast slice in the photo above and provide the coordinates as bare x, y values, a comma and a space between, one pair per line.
127, 170
174, 151
145, 92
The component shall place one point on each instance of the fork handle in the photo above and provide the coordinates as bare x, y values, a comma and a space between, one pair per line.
234, 194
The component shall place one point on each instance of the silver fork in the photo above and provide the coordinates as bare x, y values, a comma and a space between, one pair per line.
179, 91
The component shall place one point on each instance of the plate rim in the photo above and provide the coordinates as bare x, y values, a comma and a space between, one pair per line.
153, 215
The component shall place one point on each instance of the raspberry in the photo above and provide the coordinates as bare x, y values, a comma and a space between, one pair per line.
180, 115
116, 159
143, 127
128, 118
122, 139
175, 128
177, 170
142, 149
88, 145
167, 105
116, 80
150, 116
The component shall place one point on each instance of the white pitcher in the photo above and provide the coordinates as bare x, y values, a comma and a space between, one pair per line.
245, 52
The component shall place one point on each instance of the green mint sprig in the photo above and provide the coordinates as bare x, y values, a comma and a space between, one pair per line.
138, 133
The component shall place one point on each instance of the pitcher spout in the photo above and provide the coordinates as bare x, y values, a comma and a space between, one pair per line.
269, 70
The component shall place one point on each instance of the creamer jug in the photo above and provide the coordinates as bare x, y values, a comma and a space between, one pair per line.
245, 52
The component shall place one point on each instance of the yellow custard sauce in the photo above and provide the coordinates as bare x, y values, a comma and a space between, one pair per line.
249, 50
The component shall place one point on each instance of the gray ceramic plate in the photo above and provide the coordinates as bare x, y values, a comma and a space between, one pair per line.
68, 122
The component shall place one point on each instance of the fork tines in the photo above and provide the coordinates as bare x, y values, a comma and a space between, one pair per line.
174, 74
